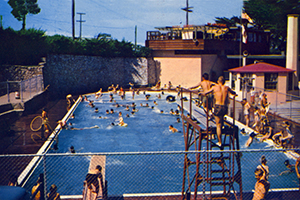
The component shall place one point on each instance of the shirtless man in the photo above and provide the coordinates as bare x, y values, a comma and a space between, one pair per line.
220, 92
205, 85
93, 178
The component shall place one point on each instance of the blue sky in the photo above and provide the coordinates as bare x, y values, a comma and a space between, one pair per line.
119, 17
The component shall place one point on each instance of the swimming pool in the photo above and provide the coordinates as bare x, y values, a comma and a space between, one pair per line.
147, 131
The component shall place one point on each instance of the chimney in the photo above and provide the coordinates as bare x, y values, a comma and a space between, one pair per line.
292, 45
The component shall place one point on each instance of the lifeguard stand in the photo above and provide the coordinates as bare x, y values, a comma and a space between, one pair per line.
215, 170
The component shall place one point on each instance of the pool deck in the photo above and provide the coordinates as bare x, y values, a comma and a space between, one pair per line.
18, 140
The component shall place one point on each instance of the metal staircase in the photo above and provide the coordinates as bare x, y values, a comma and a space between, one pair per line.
209, 171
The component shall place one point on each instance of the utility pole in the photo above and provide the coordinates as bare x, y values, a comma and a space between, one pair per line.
80, 23
187, 9
135, 37
73, 19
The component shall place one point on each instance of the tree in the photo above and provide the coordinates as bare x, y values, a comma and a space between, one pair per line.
272, 15
22, 7
229, 22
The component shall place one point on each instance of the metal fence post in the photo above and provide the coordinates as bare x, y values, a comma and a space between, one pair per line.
290, 106
276, 100
204, 172
30, 88
45, 181
36, 88
21, 91
7, 91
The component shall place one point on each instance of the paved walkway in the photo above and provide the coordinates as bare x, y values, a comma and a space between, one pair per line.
11, 98
289, 110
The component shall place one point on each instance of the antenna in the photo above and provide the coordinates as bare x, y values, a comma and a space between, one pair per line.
187, 9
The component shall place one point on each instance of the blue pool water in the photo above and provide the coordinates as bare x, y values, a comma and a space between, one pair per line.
147, 130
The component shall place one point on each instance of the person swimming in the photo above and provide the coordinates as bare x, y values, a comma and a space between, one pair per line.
72, 149
172, 129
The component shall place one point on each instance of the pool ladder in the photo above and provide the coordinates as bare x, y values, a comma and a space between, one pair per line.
217, 169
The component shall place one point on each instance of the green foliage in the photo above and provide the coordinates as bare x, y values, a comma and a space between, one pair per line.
272, 15
229, 22
26, 47
22, 47
20, 8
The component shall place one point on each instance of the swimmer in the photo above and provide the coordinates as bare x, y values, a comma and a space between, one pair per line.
117, 105
107, 111
111, 97
134, 109
127, 108
171, 128
264, 167
121, 120
91, 104
98, 94
155, 103
96, 110
177, 112
161, 111
62, 124
133, 104
250, 139
147, 96
72, 116
243, 132
158, 96
100, 117
152, 107
178, 119
127, 115
112, 111
72, 150
172, 112
291, 168
131, 85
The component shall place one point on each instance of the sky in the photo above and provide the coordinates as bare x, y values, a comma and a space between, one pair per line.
119, 17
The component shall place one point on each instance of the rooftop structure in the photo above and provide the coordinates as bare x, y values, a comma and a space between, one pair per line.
207, 39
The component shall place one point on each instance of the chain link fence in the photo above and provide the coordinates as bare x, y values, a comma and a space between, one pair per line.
148, 173
16, 91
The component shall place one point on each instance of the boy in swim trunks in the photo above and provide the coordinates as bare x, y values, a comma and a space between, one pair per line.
93, 178
205, 85
221, 98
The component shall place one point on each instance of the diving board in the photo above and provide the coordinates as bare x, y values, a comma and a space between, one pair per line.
87, 193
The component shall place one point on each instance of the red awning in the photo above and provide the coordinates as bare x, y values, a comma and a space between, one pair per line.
261, 67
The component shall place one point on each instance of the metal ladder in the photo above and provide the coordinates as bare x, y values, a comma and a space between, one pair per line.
216, 168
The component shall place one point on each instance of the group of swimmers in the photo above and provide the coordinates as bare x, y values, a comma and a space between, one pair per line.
264, 131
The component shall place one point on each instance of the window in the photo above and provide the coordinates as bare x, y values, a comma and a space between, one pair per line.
271, 81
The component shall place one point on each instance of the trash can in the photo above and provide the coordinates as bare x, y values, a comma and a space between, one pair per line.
17, 95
